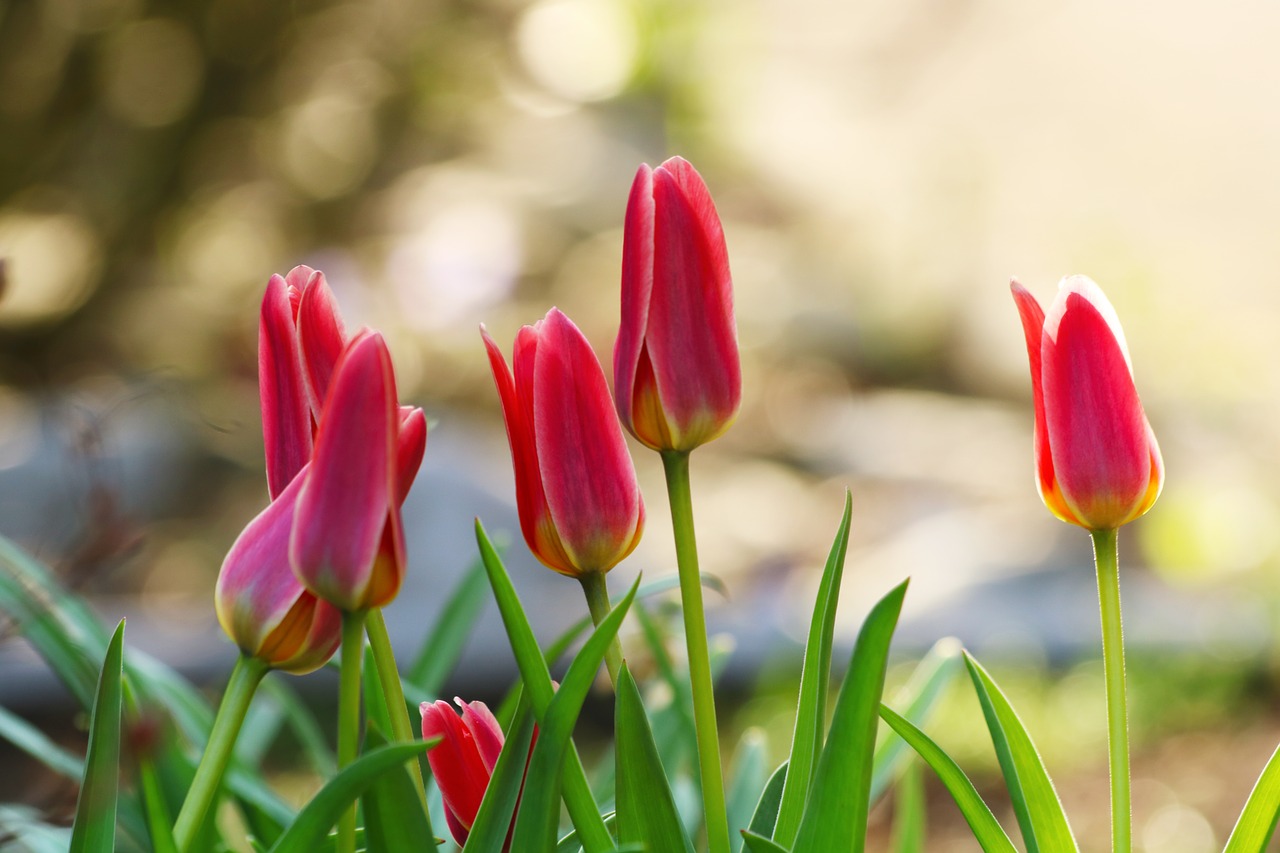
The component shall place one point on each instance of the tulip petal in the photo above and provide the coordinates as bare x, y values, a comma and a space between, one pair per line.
348, 494
321, 337
691, 335
455, 761
1097, 432
637, 286
411, 444
484, 729
587, 474
286, 418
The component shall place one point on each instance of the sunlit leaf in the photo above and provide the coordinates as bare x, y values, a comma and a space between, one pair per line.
1257, 821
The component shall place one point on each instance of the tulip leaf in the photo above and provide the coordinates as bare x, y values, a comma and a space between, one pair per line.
835, 816
766, 814
760, 844
94, 830
909, 812
375, 703
1257, 822
540, 807
570, 843
646, 809
308, 832
811, 708
1035, 802
443, 645
159, 821
746, 783
394, 821
537, 681
918, 698
986, 829
493, 820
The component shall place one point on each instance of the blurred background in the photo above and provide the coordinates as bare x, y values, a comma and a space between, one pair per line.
881, 168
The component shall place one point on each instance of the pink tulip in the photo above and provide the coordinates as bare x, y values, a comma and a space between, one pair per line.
1097, 461
263, 607
675, 363
462, 763
347, 544
580, 505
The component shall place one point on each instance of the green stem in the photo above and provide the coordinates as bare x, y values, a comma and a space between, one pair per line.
1107, 559
245, 679
349, 714
384, 659
597, 592
676, 465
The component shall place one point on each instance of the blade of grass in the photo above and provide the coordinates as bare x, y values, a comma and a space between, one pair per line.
766, 813
811, 707
986, 829
309, 831
1257, 822
1035, 802
909, 812
760, 844
835, 817
646, 809
94, 830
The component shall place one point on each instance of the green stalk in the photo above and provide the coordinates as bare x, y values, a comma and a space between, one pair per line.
349, 714
1107, 559
597, 592
384, 659
676, 465
244, 680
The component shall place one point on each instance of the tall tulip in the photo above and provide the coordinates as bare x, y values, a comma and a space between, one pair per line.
463, 761
580, 506
1097, 461
675, 364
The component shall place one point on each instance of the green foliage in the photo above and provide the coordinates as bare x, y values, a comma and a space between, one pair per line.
1257, 821
94, 830
394, 821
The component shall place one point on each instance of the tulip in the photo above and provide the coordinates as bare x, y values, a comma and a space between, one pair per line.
463, 761
261, 604
1097, 461
675, 363
347, 543
580, 506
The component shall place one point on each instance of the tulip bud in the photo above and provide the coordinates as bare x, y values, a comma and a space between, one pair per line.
580, 505
462, 763
261, 604
1097, 461
675, 364
347, 544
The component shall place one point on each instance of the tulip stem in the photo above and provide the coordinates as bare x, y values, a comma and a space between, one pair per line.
597, 592
1107, 559
244, 681
676, 465
349, 714
384, 659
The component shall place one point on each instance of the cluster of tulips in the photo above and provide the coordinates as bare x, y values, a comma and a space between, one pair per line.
310, 574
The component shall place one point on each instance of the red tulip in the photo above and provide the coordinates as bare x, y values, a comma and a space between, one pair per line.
1097, 461
462, 763
580, 505
263, 607
348, 543
675, 363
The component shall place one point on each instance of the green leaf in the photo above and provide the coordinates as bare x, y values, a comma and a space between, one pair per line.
540, 807
537, 681
493, 820
1257, 821
443, 646
1035, 802
766, 814
309, 830
909, 812
835, 817
811, 708
760, 844
918, 698
375, 703
159, 820
94, 830
646, 809
394, 821
986, 829
36, 744
746, 783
